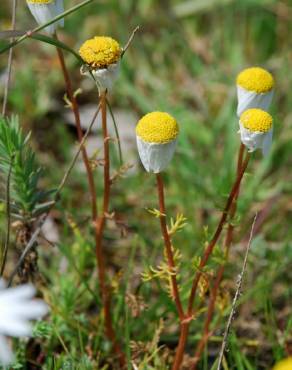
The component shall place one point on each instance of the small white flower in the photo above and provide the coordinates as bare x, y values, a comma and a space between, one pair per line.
156, 140
45, 10
254, 89
16, 309
256, 130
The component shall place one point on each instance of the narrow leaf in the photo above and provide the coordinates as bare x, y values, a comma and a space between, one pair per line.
57, 43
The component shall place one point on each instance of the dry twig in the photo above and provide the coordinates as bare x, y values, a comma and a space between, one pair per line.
236, 296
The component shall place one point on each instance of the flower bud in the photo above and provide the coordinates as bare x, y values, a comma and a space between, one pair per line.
255, 89
256, 130
156, 140
102, 60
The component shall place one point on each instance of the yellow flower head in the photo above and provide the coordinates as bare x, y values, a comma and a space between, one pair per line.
256, 120
284, 364
256, 79
40, 1
100, 52
157, 127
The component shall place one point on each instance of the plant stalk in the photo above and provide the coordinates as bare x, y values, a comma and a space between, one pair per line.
105, 289
75, 109
168, 246
8, 218
220, 272
207, 253
217, 234
236, 296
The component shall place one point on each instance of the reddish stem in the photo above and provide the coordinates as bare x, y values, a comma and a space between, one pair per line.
168, 246
219, 275
99, 222
99, 230
207, 253
75, 109
184, 332
217, 234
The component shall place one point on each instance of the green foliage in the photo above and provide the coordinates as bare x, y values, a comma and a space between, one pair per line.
28, 201
184, 61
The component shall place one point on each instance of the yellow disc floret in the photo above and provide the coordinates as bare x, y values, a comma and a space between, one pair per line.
40, 1
100, 52
284, 364
256, 120
157, 127
256, 79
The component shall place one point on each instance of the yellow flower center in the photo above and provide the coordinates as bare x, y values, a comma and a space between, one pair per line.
256, 79
157, 127
284, 365
256, 120
100, 51
40, 1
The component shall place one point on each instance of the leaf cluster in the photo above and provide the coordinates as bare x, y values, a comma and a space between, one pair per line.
27, 200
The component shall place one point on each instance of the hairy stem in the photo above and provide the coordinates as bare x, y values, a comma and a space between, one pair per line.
75, 109
99, 230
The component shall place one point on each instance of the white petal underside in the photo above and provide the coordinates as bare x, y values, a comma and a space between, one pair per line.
106, 77
256, 140
154, 156
60, 10
267, 142
250, 99
43, 13
6, 355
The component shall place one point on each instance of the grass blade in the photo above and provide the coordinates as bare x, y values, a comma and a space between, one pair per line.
39, 28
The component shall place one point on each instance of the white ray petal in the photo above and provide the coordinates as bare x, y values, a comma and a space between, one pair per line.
20, 292
267, 142
6, 355
25, 310
15, 327
154, 156
106, 77
256, 140
251, 99
60, 10
43, 13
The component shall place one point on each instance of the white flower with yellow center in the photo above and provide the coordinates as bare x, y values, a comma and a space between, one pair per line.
156, 140
101, 55
16, 309
284, 364
256, 130
255, 89
45, 10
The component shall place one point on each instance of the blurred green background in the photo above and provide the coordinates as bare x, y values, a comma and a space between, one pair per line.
184, 60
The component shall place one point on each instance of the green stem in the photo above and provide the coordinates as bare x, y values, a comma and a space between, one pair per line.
39, 28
